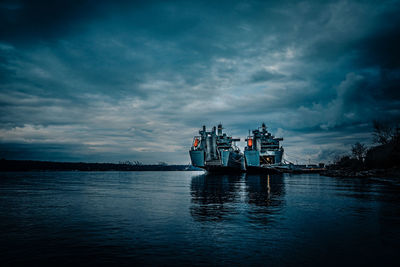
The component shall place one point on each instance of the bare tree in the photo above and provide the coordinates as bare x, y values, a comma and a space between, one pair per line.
383, 133
359, 150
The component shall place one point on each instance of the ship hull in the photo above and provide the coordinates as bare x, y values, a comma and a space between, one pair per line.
261, 169
254, 157
229, 162
197, 158
234, 162
223, 169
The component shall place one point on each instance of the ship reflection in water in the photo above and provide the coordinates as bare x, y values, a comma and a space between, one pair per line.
183, 218
217, 197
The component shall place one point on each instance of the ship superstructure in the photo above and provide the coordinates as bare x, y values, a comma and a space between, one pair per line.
263, 150
215, 151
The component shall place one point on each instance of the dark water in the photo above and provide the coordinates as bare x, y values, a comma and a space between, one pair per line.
181, 218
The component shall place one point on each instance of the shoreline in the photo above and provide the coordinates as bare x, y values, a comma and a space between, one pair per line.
32, 165
377, 173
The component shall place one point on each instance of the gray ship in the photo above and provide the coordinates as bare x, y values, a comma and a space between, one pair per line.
263, 152
216, 152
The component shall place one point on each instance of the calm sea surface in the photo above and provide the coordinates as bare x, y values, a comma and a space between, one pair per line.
181, 218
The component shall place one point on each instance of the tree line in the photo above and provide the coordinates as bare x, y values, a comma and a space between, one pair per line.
385, 153
30, 165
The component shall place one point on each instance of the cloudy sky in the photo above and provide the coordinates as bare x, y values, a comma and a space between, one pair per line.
99, 81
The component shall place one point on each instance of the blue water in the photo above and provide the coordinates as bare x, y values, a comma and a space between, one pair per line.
181, 218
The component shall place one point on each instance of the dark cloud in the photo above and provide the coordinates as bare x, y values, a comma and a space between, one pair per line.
21, 20
263, 75
380, 47
136, 79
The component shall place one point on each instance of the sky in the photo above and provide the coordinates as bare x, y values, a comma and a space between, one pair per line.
110, 81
